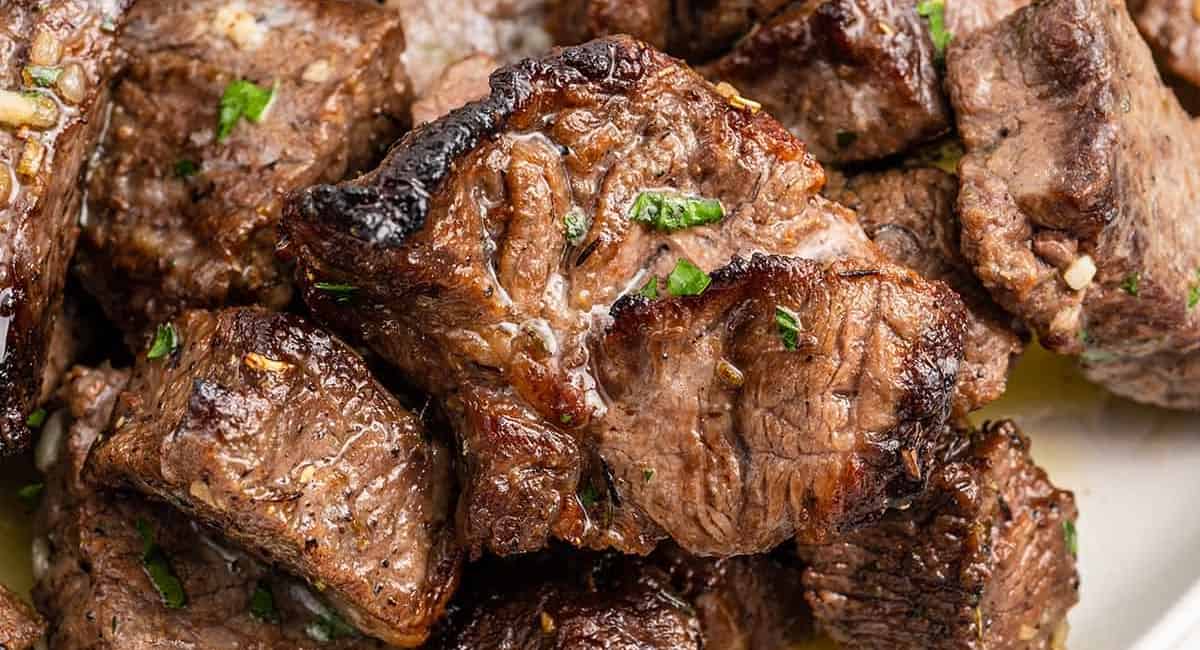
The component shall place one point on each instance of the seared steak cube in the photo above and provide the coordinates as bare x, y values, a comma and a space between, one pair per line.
274, 432
184, 200
20, 627
56, 60
481, 257
984, 559
909, 214
1172, 28
103, 589
1079, 201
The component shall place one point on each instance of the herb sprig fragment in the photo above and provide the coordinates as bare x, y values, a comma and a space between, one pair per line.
934, 11
687, 279
788, 325
242, 99
670, 211
166, 341
262, 603
342, 293
159, 569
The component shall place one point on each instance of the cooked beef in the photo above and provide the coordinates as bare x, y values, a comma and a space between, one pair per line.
20, 626
668, 601
1172, 28
964, 17
462, 82
487, 247
180, 217
56, 59
274, 432
93, 579
1079, 188
984, 559
442, 32
909, 214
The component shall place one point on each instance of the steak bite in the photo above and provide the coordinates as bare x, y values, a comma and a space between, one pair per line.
669, 601
274, 432
984, 559
56, 59
1172, 29
93, 568
185, 198
462, 82
909, 214
482, 255
1079, 189
20, 627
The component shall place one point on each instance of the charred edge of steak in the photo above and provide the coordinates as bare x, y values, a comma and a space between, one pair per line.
391, 203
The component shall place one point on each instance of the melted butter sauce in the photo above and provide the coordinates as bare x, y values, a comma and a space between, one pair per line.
16, 523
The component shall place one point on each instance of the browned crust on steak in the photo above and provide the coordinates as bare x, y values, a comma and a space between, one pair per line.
20, 626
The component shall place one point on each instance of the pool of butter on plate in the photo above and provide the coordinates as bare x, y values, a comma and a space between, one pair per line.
1026, 395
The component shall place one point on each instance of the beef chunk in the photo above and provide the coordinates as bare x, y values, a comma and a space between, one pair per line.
20, 627
275, 433
180, 216
909, 213
985, 559
1078, 201
668, 601
56, 59
93, 578
1172, 28
488, 246
441, 32
462, 82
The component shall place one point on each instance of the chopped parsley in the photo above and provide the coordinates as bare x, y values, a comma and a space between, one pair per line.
36, 419
846, 139
667, 211
341, 293
1193, 297
647, 474
1071, 537
575, 226
789, 327
185, 168
588, 496
650, 289
159, 570
166, 341
31, 494
262, 603
328, 626
934, 11
566, 418
242, 99
687, 279
1131, 282
43, 76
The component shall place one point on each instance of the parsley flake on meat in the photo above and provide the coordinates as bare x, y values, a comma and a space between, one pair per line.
242, 99
159, 570
934, 11
329, 627
650, 289
341, 293
1131, 282
687, 279
1071, 537
668, 211
44, 76
262, 603
31, 494
575, 226
166, 341
36, 419
789, 327
185, 168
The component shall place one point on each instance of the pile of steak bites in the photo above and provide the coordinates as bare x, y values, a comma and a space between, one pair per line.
634, 324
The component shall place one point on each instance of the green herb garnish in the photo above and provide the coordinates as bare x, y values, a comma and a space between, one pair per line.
1071, 537
43, 76
588, 496
242, 99
687, 279
650, 289
934, 11
329, 627
31, 494
647, 474
846, 139
1131, 282
566, 418
262, 603
789, 327
159, 570
1193, 297
666, 211
341, 293
575, 227
166, 341
36, 419
185, 168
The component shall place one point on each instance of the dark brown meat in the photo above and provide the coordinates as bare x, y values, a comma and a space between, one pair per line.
1172, 28
1080, 190
669, 601
275, 433
465, 278
965, 16
20, 626
985, 559
45, 137
93, 581
179, 217
462, 82
909, 214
